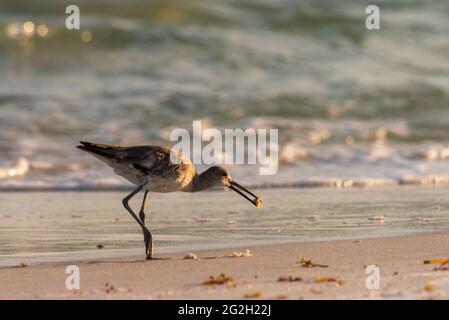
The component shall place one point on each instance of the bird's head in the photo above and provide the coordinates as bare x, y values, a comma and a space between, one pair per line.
221, 177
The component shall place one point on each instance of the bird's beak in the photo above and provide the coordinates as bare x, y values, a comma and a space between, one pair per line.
257, 201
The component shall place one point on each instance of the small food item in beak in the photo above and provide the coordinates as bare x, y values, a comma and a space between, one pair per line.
255, 200
258, 202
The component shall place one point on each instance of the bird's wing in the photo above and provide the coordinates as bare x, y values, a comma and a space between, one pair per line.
153, 161
156, 161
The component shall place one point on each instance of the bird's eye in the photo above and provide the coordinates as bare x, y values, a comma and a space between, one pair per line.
224, 174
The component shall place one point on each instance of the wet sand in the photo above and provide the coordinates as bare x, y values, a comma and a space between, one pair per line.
403, 275
62, 227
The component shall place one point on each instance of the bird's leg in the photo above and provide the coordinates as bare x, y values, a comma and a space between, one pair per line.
142, 208
147, 239
144, 229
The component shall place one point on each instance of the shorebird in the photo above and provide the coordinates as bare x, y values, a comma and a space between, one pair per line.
160, 169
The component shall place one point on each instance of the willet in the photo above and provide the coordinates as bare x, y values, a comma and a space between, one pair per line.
161, 169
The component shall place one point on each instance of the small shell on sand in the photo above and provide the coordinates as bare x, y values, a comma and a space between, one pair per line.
376, 217
191, 256
315, 291
247, 253
429, 287
254, 295
201, 220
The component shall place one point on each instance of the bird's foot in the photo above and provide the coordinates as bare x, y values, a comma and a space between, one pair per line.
148, 246
149, 253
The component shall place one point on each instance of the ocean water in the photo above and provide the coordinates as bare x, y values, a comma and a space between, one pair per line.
48, 227
353, 106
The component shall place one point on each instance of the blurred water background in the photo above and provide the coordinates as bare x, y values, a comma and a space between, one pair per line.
353, 106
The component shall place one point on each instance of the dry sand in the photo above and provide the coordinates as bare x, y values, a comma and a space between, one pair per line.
403, 275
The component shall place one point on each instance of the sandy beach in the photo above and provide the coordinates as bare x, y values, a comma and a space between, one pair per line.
338, 273
62, 227
341, 232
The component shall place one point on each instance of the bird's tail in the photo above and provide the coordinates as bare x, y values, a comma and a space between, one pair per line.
101, 151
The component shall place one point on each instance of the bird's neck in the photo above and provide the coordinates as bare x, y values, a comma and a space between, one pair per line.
200, 182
